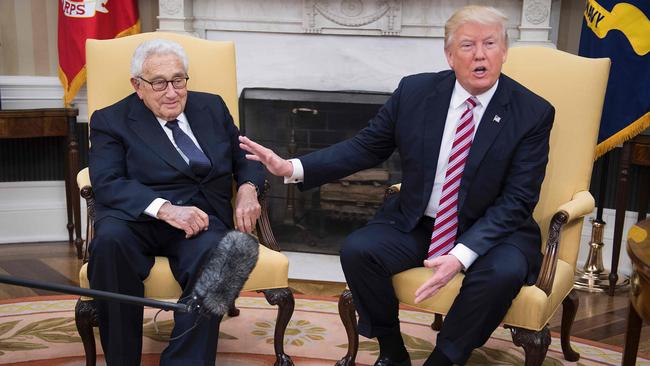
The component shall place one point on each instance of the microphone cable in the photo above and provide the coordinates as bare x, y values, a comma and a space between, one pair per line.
196, 322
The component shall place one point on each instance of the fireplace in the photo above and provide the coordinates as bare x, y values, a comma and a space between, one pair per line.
294, 122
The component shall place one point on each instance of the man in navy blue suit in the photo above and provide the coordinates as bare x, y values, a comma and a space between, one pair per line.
162, 163
473, 145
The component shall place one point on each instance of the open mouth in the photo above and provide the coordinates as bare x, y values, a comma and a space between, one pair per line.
480, 71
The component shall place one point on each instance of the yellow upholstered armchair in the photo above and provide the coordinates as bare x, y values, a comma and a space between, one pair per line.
576, 88
212, 65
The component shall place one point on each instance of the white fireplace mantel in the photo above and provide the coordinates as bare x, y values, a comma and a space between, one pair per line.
530, 20
342, 44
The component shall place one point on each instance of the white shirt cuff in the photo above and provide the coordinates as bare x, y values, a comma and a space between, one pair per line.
465, 255
154, 206
298, 175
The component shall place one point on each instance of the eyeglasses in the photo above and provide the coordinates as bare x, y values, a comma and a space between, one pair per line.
161, 84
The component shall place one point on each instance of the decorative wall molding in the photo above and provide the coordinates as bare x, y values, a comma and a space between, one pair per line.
27, 92
34, 212
412, 18
176, 16
368, 17
536, 12
535, 27
171, 7
344, 44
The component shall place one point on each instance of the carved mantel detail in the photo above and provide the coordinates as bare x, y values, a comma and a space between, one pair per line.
176, 16
529, 20
338, 16
170, 7
535, 23
536, 12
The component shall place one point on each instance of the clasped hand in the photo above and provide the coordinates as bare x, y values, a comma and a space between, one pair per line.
190, 219
193, 220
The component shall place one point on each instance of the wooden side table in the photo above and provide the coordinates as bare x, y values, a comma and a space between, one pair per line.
638, 248
636, 152
58, 122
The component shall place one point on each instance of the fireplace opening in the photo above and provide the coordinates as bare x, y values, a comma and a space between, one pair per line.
294, 122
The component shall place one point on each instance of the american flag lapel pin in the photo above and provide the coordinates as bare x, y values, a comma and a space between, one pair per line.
496, 118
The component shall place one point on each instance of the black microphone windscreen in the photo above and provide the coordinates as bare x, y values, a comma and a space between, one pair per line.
224, 273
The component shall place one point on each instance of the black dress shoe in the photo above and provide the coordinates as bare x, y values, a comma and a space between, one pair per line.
385, 361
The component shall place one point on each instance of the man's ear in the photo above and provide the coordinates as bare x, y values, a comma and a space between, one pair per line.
450, 60
135, 83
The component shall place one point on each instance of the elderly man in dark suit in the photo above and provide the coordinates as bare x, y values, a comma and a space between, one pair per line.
162, 162
473, 145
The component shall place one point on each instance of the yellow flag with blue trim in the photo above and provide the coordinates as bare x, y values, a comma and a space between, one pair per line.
620, 30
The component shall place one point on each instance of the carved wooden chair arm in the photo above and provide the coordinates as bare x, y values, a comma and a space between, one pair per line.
263, 226
580, 205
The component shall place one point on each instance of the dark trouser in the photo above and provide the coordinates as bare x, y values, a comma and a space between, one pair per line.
121, 256
372, 254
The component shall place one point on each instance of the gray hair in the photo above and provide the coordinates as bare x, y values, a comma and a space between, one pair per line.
152, 47
485, 15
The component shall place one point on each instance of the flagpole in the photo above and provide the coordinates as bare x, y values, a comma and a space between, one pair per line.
593, 277
602, 187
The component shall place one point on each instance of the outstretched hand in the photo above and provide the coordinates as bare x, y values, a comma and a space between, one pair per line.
273, 163
444, 269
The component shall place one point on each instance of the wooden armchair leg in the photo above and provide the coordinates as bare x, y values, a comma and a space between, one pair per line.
349, 319
569, 310
283, 297
85, 316
535, 344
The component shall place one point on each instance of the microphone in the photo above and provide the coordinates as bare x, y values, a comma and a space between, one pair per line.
223, 274
217, 284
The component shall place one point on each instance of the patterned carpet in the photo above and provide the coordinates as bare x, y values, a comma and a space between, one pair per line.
41, 331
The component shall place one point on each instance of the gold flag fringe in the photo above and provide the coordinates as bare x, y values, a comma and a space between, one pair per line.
70, 89
623, 135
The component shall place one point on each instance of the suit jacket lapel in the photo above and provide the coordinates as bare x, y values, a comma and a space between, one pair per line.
201, 125
435, 115
143, 122
488, 130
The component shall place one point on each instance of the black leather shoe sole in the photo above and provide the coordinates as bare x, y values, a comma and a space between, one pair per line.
385, 361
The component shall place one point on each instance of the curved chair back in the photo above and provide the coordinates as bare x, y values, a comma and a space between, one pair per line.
578, 103
211, 68
576, 88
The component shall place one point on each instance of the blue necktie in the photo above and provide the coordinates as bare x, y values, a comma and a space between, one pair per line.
199, 163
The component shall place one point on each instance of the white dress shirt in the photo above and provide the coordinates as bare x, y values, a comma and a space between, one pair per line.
456, 108
154, 206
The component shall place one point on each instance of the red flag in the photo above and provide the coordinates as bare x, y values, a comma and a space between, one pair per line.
95, 19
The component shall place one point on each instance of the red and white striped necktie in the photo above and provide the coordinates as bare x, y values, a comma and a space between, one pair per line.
446, 224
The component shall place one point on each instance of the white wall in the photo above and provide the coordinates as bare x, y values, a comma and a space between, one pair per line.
35, 211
